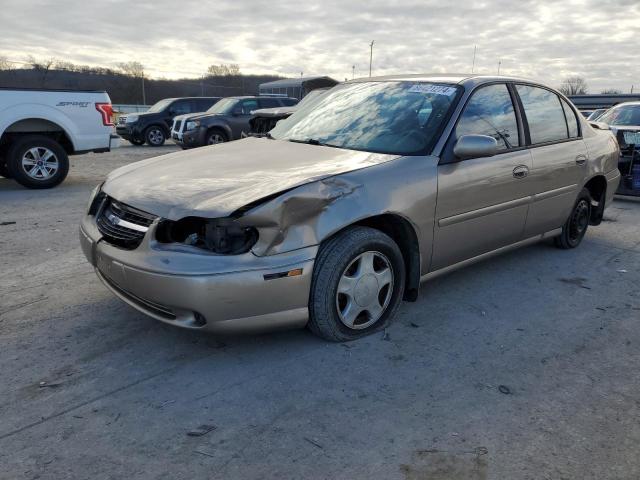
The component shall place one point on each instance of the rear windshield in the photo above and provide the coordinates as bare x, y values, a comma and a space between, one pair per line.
401, 118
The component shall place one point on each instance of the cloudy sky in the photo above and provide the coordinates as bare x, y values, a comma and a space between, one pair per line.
547, 40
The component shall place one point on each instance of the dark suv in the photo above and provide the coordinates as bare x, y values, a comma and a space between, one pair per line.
227, 120
154, 125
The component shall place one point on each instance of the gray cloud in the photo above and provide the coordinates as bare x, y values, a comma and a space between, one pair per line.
542, 39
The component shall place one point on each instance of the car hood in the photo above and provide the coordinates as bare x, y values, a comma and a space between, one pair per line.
215, 181
274, 112
189, 116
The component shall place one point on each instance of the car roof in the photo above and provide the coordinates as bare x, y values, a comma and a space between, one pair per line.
452, 78
626, 104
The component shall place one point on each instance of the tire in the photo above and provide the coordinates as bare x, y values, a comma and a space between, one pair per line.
215, 136
36, 161
340, 263
576, 225
137, 143
154, 136
4, 170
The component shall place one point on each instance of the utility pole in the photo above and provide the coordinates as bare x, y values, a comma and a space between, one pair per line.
144, 97
473, 64
632, 89
499, 63
371, 56
353, 72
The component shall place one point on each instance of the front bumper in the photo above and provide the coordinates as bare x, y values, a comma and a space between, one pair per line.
128, 132
217, 293
192, 138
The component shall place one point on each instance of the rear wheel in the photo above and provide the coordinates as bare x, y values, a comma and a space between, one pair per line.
576, 225
357, 285
154, 136
36, 161
216, 136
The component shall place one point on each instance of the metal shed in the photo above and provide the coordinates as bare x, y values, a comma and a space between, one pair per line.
295, 87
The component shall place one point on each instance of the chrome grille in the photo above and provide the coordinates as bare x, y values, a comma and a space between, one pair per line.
122, 120
122, 225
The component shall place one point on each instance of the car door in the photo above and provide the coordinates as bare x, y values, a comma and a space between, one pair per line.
179, 107
241, 114
482, 202
559, 157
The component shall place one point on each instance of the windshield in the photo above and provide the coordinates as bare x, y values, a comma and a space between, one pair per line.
160, 106
223, 106
625, 115
311, 96
401, 118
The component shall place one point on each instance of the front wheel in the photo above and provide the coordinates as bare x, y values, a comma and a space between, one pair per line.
357, 285
154, 136
36, 161
216, 136
576, 225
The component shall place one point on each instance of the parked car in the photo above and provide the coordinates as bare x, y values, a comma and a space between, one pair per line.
225, 121
39, 129
265, 119
349, 204
153, 127
596, 114
624, 122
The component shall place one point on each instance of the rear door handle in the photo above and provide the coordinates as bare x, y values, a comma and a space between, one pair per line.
521, 171
581, 159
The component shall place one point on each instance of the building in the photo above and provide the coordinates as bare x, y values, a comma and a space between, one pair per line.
295, 87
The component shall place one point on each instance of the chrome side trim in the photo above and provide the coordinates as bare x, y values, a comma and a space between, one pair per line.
555, 192
124, 223
498, 251
462, 217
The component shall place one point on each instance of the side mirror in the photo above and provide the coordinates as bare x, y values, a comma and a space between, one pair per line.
599, 125
475, 146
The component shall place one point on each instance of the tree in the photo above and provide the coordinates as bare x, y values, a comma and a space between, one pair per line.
132, 69
611, 91
43, 66
574, 86
5, 64
223, 70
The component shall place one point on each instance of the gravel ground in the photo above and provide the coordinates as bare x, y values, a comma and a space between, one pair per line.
520, 367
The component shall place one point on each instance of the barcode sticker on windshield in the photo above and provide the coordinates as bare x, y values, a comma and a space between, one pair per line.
438, 89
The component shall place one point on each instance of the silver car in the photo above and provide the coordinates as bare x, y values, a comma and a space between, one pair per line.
338, 215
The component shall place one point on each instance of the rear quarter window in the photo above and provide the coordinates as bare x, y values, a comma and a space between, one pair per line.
572, 121
544, 113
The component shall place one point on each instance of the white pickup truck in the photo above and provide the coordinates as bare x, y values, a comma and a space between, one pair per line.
40, 128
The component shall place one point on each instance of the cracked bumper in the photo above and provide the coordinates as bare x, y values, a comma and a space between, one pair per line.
220, 294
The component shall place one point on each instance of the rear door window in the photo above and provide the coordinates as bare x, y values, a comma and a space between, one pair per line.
544, 113
269, 103
572, 121
181, 107
490, 112
203, 104
248, 105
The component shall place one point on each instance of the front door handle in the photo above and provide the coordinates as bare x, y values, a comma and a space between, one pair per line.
581, 159
521, 171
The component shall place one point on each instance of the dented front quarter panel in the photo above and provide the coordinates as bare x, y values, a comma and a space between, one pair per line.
307, 215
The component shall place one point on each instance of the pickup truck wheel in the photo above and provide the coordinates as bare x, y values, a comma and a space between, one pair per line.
216, 136
154, 136
576, 225
36, 161
357, 285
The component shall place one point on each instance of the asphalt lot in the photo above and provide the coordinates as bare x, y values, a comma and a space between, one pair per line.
521, 367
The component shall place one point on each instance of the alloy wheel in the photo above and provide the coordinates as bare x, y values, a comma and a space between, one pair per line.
40, 163
215, 138
155, 136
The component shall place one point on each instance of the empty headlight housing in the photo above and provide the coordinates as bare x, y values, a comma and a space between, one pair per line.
221, 235
192, 125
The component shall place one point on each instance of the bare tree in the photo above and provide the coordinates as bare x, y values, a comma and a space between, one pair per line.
224, 70
5, 64
133, 69
42, 66
574, 86
611, 91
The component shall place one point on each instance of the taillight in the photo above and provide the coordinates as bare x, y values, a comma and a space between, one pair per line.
106, 112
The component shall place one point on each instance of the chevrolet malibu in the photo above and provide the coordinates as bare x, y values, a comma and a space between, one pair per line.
349, 204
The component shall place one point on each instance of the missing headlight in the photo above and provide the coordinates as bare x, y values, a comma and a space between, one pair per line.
220, 235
